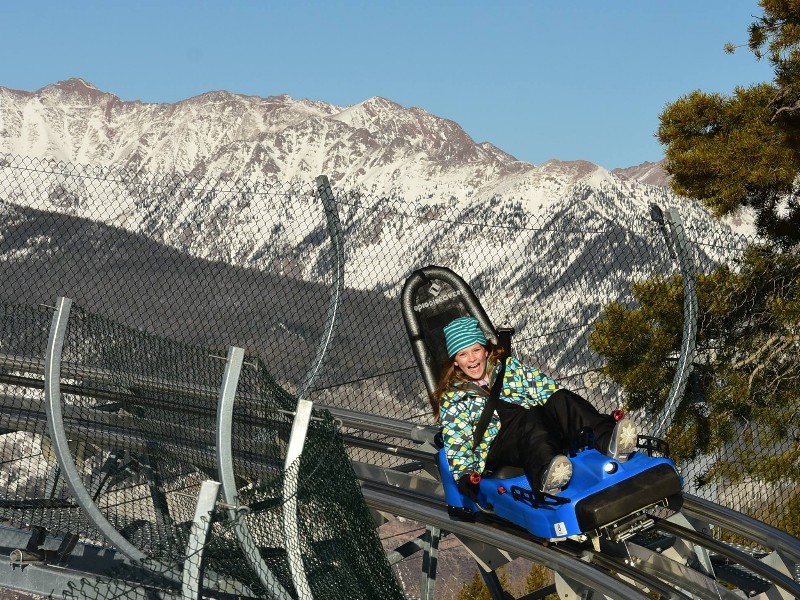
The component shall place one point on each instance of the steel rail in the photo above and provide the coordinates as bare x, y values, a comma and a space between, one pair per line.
71, 370
379, 424
657, 573
428, 493
251, 404
742, 525
420, 456
625, 568
680, 573
392, 501
703, 509
749, 562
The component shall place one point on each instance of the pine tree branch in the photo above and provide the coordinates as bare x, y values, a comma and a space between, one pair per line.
784, 339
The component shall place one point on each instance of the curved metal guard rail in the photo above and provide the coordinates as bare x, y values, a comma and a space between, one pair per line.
304, 406
58, 437
337, 288
60, 444
676, 238
226, 473
291, 470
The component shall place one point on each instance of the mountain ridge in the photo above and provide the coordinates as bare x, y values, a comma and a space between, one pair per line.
377, 147
376, 142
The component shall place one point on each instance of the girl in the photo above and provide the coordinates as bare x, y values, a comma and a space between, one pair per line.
534, 422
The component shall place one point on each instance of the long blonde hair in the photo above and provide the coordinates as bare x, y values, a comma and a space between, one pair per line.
452, 373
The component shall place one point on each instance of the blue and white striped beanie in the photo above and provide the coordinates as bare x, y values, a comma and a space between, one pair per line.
462, 333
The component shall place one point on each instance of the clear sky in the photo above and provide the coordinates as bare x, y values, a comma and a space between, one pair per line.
541, 79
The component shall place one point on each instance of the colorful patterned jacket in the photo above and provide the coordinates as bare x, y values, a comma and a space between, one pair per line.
461, 406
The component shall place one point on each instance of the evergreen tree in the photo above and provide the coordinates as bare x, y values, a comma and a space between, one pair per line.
776, 36
538, 578
744, 149
746, 376
743, 402
476, 589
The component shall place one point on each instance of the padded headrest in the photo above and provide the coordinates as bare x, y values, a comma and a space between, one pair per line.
431, 298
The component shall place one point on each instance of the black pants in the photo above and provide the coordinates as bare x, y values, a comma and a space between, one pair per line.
529, 438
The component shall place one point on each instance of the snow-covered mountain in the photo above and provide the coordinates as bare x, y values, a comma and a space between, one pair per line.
377, 147
376, 144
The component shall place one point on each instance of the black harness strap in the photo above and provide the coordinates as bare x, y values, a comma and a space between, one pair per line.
491, 404
505, 334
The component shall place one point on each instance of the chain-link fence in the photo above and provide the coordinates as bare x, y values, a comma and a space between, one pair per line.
219, 263
128, 427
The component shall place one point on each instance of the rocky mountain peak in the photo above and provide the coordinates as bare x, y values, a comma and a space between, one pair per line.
76, 88
651, 173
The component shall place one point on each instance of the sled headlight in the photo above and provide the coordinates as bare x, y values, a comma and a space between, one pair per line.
610, 467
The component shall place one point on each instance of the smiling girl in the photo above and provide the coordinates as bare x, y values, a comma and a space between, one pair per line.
533, 424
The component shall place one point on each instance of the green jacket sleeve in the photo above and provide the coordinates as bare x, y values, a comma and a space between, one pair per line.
459, 414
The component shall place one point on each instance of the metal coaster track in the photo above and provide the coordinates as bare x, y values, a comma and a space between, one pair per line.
703, 567
692, 564
650, 571
426, 510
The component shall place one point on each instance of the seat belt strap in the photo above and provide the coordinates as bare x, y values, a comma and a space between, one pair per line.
491, 404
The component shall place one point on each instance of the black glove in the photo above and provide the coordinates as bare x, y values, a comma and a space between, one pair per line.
468, 485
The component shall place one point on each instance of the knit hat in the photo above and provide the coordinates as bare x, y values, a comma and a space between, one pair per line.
462, 333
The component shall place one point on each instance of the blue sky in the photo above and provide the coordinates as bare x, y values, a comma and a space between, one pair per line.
563, 79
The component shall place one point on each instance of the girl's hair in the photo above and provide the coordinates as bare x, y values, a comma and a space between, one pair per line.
452, 373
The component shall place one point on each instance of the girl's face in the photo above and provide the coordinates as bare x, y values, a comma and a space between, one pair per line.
472, 360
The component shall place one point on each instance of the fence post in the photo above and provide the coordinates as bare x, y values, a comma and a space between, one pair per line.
291, 470
58, 436
198, 537
337, 284
227, 476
